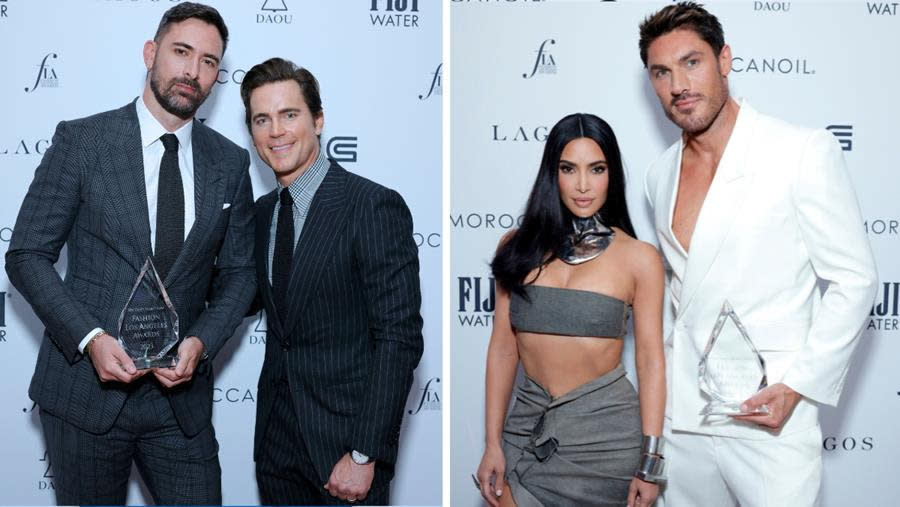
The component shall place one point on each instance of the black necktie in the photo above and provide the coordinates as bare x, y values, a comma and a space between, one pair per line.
284, 251
169, 208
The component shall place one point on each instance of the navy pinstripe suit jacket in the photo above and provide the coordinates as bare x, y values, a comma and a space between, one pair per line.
88, 193
353, 333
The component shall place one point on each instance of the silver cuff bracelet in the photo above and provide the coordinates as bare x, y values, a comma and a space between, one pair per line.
651, 445
651, 468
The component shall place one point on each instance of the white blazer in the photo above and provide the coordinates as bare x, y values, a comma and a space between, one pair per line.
780, 218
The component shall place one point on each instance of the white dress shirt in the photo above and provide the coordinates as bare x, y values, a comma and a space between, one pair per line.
153, 149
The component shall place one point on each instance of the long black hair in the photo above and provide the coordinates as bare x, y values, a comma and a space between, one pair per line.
547, 220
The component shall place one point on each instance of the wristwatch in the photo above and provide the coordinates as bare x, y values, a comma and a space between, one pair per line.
360, 458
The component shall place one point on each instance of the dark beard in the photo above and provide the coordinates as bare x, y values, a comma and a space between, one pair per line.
168, 101
700, 125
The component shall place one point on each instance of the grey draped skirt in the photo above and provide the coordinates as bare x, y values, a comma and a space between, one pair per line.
579, 449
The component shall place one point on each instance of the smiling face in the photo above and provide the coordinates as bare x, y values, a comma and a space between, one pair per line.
689, 78
284, 131
583, 177
183, 66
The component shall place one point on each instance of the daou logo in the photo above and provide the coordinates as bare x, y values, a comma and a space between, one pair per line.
274, 12
258, 336
772, 6
46, 480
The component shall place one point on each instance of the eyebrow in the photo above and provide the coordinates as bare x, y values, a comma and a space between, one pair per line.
191, 48
596, 162
280, 111
688, 56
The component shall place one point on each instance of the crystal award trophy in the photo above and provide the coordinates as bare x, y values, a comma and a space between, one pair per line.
731, 369
148, 325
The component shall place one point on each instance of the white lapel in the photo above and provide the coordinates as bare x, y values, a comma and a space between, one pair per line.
664, 195
723, 201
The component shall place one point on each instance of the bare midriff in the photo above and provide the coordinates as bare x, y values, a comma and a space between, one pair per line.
562, 363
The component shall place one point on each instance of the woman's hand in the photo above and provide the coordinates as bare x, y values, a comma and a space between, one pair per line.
490, 474
642, 493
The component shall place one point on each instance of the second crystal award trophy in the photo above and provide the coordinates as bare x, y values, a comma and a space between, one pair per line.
731, 369
148, 325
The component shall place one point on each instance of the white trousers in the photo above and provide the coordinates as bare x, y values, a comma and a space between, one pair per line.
711, 471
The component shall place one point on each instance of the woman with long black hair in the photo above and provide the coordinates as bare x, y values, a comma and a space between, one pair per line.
567, 280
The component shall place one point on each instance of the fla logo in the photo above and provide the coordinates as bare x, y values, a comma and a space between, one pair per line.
544, 62
430, 399
47, 76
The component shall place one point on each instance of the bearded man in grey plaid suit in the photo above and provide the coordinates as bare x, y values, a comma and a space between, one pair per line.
117, 187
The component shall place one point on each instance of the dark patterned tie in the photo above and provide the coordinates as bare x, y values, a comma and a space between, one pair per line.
284, 251
169, 208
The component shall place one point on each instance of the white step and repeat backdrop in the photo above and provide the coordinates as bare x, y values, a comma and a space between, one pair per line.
519, 66
378, 63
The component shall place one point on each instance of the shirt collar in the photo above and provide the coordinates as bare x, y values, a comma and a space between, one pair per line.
152, 130
310, 179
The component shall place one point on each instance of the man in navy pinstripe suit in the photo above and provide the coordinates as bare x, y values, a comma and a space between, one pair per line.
117, 187
338, 273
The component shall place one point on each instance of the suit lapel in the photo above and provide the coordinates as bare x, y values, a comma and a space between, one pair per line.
317, 240
664, 199
129, 195
208, 196
723, 202
264, 210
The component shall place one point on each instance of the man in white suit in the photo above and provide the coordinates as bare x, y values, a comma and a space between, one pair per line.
755, 211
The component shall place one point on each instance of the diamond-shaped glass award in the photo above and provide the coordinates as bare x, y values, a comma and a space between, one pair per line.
148, 325
731, 369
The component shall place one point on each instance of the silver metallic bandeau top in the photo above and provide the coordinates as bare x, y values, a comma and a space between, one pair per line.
589, 238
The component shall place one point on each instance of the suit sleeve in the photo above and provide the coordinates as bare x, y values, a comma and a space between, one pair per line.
234, 280
389, 269
831, 227
45, 220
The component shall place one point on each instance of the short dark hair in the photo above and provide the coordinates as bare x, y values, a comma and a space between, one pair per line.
191, 10
277, 69
681, 16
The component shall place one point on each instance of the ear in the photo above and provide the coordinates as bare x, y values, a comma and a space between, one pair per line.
725, 60
150, 48
319, 122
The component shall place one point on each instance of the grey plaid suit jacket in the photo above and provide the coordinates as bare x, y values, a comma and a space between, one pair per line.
353, 333
88, 193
